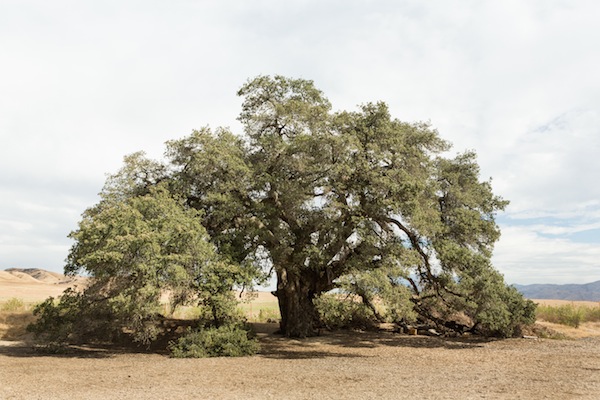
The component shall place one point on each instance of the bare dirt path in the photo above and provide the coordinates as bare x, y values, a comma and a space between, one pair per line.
350, 365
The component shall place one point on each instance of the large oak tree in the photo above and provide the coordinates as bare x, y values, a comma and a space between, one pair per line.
324, 199
319, 195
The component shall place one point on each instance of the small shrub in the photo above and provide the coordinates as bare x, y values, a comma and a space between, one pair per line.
186, 312
13, 305
567, 314
224, 341
267, 315
15, 316
592, 314
573, 316
545, 332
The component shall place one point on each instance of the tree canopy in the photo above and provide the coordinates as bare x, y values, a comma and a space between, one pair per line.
137, 250
351, 200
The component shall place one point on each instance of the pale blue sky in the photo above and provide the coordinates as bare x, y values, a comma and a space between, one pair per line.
83, 83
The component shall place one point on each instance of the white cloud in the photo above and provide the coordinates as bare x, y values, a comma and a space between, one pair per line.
553, 167
84, 83
564, 229
526, 257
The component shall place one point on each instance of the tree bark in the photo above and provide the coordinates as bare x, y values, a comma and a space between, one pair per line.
295, 293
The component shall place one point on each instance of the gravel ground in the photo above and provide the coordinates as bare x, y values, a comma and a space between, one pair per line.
349, 365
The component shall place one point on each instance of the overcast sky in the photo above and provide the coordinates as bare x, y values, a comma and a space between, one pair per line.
83, 83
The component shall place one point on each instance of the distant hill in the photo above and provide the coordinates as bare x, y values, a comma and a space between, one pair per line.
583, 292
34, 284
40, 276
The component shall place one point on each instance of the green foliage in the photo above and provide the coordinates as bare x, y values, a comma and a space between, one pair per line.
12, 305
355, 199
337, 312
494, 308
268, 315
135, 249
568, 314
381, 290
364, 201
503, 312
53, 324
15, 316
225, 341
592, 314
77, 317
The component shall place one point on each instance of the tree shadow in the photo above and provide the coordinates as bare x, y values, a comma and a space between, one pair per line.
281, 354
377, 339
338, 343
29, 349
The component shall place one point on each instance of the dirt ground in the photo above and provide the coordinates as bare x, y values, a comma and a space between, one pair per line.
350, 365
340, 365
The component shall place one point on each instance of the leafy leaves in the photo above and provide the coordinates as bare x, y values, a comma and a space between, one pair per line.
350, 199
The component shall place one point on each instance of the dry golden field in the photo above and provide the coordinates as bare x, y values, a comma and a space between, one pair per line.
336, 365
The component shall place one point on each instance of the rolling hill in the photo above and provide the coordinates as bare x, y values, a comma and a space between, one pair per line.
575, 292
34, 284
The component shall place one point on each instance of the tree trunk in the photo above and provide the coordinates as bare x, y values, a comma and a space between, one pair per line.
295, 294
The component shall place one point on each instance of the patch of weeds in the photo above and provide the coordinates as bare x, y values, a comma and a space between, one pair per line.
15, 316
543, 332
567, 314
13, 305
592, 314
188, 312
268, 315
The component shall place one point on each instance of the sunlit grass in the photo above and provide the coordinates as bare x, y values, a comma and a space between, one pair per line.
253, 309
568, 314
260, 310
15, 315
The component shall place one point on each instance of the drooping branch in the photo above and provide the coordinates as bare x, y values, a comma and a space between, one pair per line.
414, 241
431, 278
448, 324
367, 301
413, 285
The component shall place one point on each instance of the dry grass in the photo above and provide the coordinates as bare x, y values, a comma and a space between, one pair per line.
556, 303
36, 287
582, 316
15, 315
13, 325
585, 330
262, 307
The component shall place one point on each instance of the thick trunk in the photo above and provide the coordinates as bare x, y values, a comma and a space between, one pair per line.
298, 313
